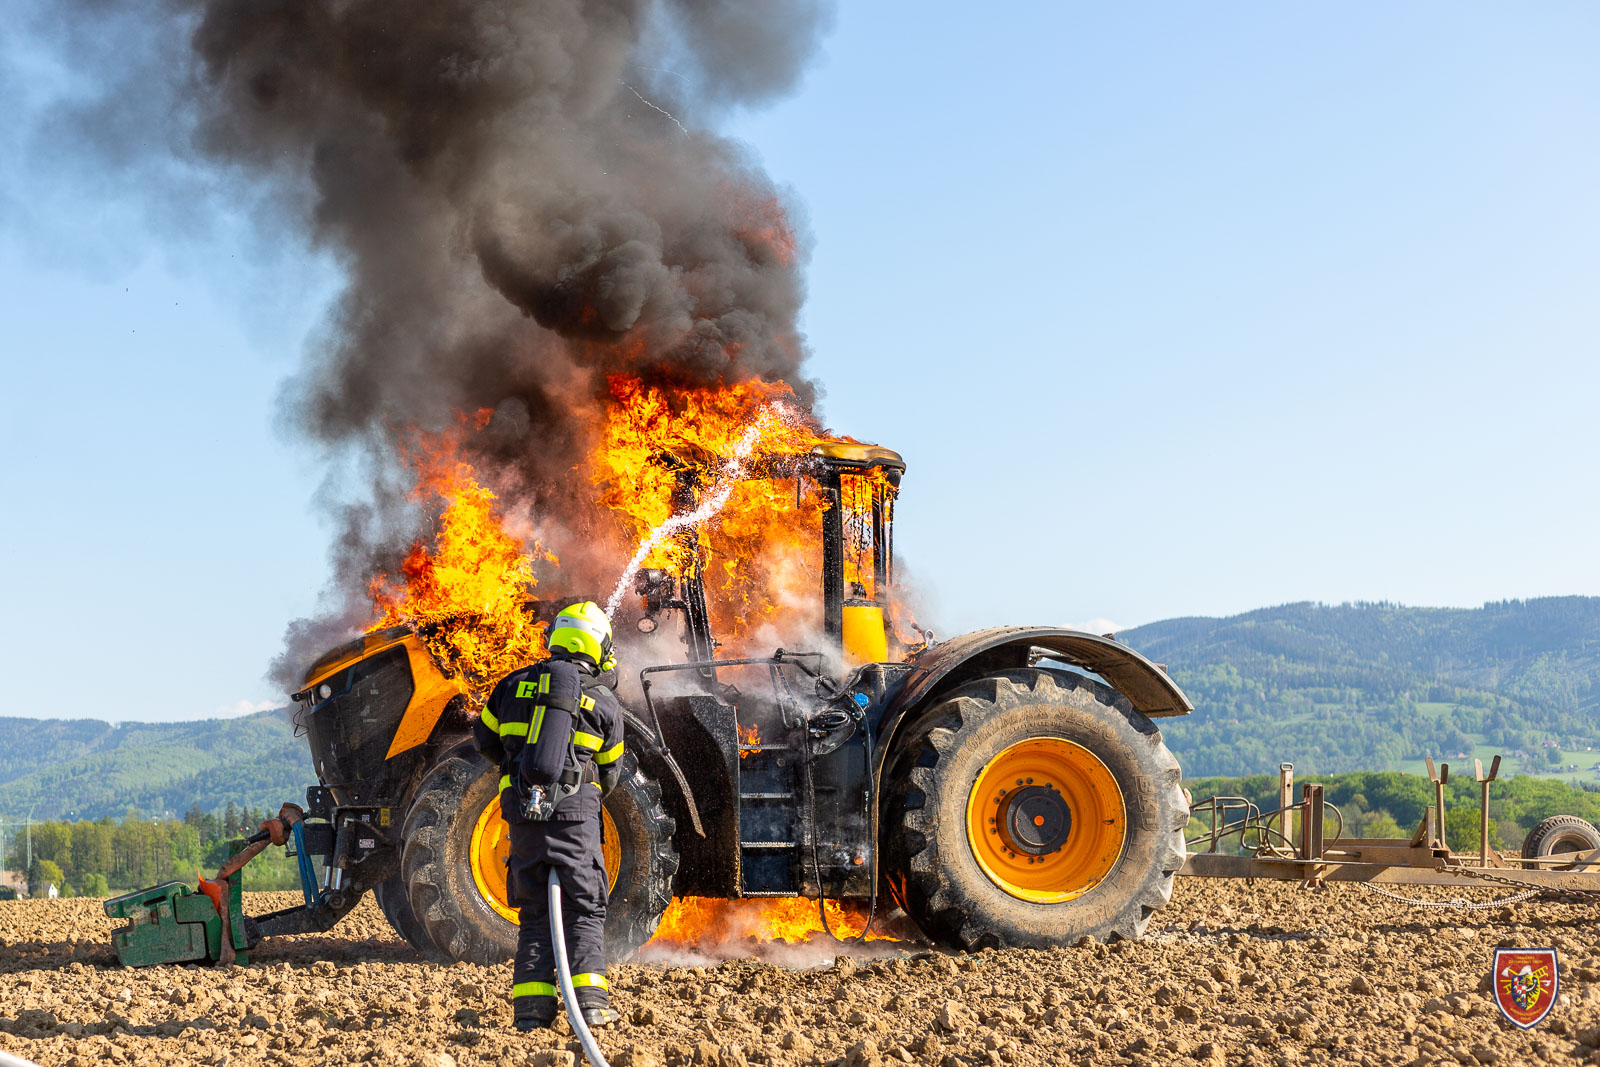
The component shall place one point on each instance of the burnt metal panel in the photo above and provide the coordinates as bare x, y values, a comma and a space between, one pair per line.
698, 731
652, 752
842, 823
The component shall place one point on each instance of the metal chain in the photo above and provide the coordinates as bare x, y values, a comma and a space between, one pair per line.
1462, 904
1571, 896
1455, 904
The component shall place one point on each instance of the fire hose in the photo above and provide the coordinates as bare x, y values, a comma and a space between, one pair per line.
568, 993
8, 1060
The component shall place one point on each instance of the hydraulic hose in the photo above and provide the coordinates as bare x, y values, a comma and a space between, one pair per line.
570, 995
816, 865
811, 806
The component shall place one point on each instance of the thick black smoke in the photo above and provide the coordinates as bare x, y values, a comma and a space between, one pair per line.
522, 195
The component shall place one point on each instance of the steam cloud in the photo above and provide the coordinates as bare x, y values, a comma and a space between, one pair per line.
523, 198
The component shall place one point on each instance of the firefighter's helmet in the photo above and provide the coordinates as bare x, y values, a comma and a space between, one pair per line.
583, 630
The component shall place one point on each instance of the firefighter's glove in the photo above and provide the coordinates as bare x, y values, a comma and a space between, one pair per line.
610, 775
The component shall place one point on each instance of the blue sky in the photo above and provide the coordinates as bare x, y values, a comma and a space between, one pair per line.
1172, 309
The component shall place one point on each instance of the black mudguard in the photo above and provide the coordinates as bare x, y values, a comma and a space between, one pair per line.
1144, 683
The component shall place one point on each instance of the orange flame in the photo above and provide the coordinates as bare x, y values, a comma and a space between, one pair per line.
749, 735
657, 454
699, 922
762, 548
467, 588
467, 592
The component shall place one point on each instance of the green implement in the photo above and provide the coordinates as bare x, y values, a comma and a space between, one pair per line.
170, 923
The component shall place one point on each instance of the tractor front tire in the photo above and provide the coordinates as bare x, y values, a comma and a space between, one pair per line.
453, 864
391, 898
1032, 808
437, 863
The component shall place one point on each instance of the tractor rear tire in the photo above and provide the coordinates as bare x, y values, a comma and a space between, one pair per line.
465, 922
647, 861
390, 895
1558, 834
1032, 808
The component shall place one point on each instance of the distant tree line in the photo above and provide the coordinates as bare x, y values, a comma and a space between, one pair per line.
1390, 804
107, 856
1242, 725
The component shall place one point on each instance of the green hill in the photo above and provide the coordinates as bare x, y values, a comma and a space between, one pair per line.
1379, 686
1353, 687
85, 769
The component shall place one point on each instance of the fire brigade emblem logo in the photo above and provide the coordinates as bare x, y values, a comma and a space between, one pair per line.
1526, 981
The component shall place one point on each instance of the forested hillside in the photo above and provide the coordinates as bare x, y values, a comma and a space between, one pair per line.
1354, 687
1379, 686
86, 769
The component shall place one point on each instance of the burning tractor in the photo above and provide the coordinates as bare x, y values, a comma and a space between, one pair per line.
1005, 787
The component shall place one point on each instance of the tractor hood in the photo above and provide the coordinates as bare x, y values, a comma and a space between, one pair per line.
354, 651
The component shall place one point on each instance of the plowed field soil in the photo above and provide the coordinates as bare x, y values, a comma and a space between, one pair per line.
1230, 973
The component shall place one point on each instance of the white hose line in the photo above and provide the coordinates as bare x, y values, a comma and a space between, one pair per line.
570, 995
8, 1060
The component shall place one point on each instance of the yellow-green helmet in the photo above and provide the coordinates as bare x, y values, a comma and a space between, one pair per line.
583, 630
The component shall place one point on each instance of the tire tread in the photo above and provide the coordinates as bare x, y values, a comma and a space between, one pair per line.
939, 901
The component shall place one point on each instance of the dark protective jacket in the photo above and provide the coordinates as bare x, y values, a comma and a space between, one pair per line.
514, 711
569, 843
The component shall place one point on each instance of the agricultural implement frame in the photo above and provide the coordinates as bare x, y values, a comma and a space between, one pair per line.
172, 923
1291, 843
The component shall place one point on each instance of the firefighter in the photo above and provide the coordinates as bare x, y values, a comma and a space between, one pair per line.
555, 729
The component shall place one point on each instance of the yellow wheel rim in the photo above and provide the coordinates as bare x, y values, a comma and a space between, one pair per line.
1045, 820
610, 848
491, 846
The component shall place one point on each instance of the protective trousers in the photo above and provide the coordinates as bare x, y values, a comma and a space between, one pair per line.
572, 850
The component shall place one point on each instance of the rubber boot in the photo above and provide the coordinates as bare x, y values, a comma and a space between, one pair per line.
534, 1013
601, 1016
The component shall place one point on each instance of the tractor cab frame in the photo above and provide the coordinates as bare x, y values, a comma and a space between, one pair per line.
858, 485
787, 753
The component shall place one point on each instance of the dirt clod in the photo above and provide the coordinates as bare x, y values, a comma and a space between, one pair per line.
953, 1018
